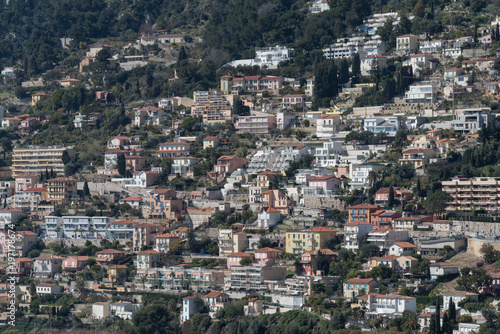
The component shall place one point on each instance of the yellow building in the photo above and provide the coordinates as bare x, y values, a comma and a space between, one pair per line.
358, 286
407, 43
38, 159
62, 190
310, 240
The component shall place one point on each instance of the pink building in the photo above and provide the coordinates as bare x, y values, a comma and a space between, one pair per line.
109, 255
327, 184
76, 263
235, 258
401, 195
382, 218
266, 256
26, 181
276, 199
226, 164
21, 267
293, 101
46, 266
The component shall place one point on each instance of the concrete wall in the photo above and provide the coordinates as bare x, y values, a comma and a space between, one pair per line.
474, 245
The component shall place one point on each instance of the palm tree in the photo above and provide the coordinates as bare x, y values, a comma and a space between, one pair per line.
372, 177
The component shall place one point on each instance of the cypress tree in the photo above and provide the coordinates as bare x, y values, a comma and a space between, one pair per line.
452, 312
446, 324
497, 32
86, 190
438, 316
432, 324
390, 200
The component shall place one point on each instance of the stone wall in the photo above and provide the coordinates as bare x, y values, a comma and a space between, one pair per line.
325, 202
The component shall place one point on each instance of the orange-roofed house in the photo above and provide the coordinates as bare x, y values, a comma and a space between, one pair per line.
215, 301
226, 165
358, 286
134, 163
362, 213
276, 199
390, 261
402, 248
115, 270
322, 185
147, 259
268, 218
75, 263
384, 237
109, 256
310, 240
235, 258
163, 242
133, 201
266, 256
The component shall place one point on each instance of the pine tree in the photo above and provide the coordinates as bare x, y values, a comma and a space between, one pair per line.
390, 199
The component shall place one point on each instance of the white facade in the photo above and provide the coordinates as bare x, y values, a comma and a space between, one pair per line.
470, 121
268, 218
124, 310
383, 238
327, 126
352, 232
188, 308
100, 310
319, 6
421, 94
347, 49
391, 306
75, 227
360, 175
276, 159
371, 24
329, 155
388, 125
183, 166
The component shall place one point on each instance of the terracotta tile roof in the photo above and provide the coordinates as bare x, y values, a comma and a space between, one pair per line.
321, 229
405, 244
239, 254
360, 280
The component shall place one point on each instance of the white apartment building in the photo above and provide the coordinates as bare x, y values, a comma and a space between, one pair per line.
470, 121
389, 125
352, 232
391, 306
421, 94
232, 242
276, 159
272, 56
371, 24
421, 62
353, 45
255, 124
384, 237
250, 278
124, 310
25, 201
75, 227
360, 175
183, 166
327, 126
319, 6
149, 116
434, 46
38, 159
329, 155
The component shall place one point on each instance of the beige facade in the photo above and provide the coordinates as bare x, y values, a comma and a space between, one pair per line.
38, 159
61, 190
472, 194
